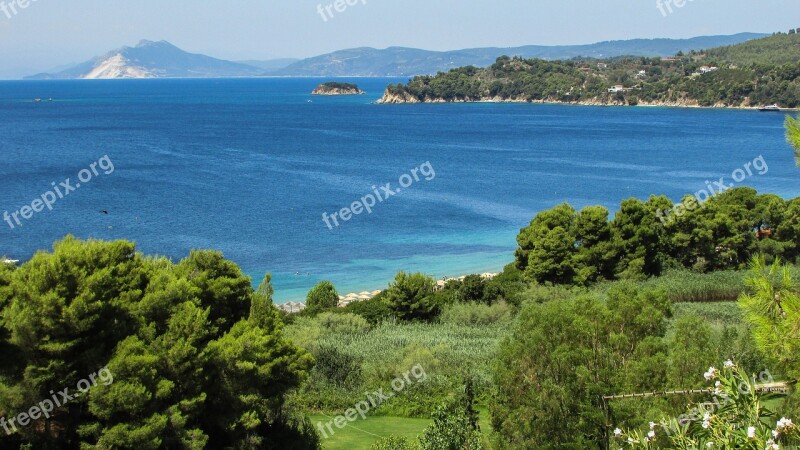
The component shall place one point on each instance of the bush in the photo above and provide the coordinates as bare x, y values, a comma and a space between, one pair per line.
476, 313
737, 419
394, 443
374, 310
322, 296
410, 297
339, 368
342, 323
472, 289
455, 426
542, 294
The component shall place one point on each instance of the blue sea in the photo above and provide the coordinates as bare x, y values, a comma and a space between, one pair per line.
249, 166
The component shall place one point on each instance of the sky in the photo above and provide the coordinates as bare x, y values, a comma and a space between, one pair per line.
50, 34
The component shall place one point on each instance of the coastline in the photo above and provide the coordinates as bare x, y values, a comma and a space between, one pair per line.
395, 99
375, 291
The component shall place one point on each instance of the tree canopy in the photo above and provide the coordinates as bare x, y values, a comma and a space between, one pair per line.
198, 358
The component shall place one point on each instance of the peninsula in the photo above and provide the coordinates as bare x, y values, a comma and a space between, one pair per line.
749, 75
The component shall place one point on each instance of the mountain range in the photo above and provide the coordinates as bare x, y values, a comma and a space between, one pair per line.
151, 59
161, 59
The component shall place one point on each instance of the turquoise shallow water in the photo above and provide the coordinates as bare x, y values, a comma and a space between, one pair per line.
249, 167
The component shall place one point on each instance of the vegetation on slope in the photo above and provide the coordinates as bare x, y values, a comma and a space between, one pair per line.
775, 50
695, 79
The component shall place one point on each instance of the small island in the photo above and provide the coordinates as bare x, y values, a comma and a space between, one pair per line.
336, 88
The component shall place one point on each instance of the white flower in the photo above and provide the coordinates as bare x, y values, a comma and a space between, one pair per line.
729, 364
707, 416
706, 424
775, 434
751, 432
631, 440
651, 434
711, 374
718, 383
771, 445
784, 423
652, 425
617, 432
709, 444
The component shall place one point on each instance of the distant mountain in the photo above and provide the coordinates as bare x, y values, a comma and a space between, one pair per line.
163, 60
401, 61
153, 60
270, 64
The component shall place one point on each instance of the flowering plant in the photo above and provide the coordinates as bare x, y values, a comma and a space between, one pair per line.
739, 421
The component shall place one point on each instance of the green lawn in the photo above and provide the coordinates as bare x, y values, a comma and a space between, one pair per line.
361, 434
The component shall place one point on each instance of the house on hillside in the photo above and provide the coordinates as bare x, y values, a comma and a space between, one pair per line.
707, 69
618, 88
642, 74
602, 66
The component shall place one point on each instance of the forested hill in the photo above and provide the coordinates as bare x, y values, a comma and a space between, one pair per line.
701, 78
775, 50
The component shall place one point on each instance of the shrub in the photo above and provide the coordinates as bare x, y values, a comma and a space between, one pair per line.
737, 419
409, 296
394, 443
339, 368
541, 294
472, 289
374, 310
322, 296
455, 426
342, 323
476, 313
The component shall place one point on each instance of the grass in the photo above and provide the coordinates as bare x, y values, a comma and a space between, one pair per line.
361, 434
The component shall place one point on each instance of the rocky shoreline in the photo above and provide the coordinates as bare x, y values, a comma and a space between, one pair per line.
337, 89
405, 98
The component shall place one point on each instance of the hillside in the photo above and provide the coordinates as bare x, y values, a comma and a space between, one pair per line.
686, 80
152, 60
775, 50
401, 61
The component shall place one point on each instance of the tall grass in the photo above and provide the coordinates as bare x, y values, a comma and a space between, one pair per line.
448, 352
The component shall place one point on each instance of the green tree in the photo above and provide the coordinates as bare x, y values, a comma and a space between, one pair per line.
772, 308
690, 351
454, 426
561, 357
410, 296
793, 135
322, 296
473, 289
191, 369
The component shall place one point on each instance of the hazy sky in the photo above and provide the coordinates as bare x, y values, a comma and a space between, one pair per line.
50, 33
